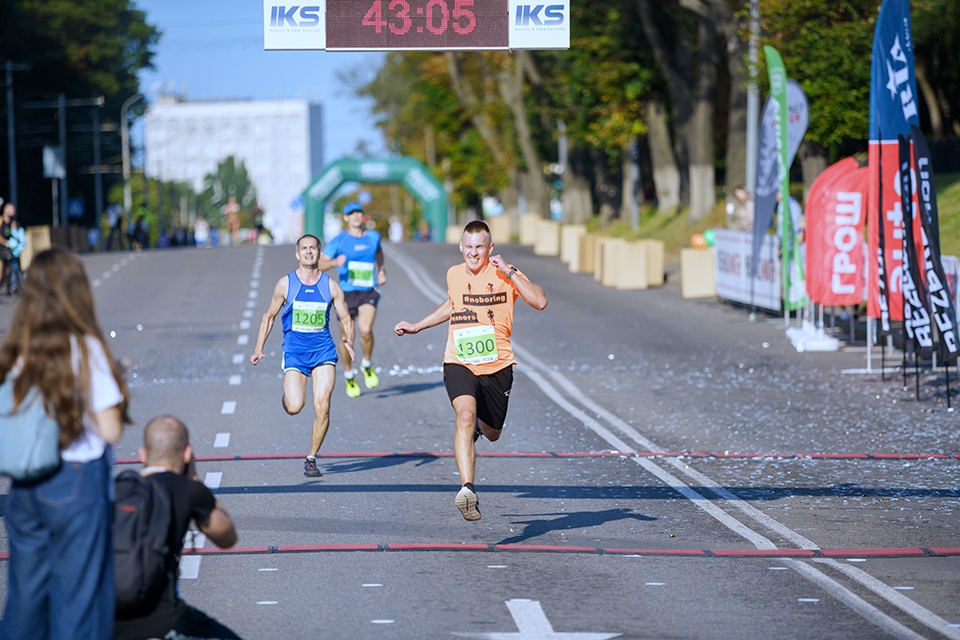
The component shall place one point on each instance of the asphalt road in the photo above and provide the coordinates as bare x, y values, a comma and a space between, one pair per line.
781, 505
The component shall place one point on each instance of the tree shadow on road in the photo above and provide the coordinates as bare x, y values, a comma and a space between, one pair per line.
572, 520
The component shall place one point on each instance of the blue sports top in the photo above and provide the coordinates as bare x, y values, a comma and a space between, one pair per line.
305, 315
360, 271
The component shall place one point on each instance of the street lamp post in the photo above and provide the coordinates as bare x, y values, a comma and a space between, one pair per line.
125, 143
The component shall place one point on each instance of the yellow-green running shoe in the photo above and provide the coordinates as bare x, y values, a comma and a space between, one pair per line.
353, 389
370, 377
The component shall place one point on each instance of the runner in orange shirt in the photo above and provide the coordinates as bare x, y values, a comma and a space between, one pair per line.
478, 361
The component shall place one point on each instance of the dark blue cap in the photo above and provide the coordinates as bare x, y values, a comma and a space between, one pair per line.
352, 206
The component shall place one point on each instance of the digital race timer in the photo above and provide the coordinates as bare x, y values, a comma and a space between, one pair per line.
416, 24
380, 25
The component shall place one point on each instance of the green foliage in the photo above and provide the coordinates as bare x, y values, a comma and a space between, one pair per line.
596, 87
827, 47
948, 205
411, 93
148, 204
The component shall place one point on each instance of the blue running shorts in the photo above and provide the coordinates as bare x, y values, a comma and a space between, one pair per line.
305, 363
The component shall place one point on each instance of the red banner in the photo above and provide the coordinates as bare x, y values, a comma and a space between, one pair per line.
836, 212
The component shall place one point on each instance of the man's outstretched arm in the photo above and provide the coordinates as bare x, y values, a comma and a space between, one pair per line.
438, 316
266, 323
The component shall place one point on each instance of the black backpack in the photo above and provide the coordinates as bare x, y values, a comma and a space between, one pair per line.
142, 516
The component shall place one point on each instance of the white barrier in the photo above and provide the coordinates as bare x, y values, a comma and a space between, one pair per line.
733, 252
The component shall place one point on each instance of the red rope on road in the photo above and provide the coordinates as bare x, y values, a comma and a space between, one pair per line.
577, 454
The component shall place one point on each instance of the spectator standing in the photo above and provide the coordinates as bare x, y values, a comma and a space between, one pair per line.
168, 458
201, 232
60, 574
395, 232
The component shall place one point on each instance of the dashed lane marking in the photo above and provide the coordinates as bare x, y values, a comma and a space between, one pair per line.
222, 440
242, 339
212, 479
229, 406
235, 379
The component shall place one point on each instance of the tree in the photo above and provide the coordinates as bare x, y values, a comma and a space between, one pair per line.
82, 48
218, 186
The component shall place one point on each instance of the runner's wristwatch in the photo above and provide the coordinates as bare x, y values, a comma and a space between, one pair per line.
513, 270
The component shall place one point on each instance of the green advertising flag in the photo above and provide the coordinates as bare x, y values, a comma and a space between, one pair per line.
794, 287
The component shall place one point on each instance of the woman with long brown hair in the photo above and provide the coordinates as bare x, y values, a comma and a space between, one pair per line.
60, 574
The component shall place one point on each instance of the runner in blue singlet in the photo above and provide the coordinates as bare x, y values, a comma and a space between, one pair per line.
303, 299
358, 256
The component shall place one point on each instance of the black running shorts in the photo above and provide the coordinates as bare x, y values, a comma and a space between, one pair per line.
491, 391
356, 298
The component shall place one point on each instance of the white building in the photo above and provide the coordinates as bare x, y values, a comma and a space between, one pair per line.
279, 141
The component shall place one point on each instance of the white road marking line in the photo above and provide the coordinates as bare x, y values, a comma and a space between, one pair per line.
248, 313
106, 275
381, 621
242, 339
533, 624
853, 601
496, 566
251, 304
244, 324
212, 479
904, 588
254, 284
189, 567
655, 584
115, 268
897, 599
253, 295
436, 294
268, 569
268, 602
777, 568
808, 599
222, 440
95, 283
238, 358
856, 559
235, 379
372, 584
229, 406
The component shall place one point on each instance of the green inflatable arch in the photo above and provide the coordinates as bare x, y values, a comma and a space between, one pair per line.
410, 172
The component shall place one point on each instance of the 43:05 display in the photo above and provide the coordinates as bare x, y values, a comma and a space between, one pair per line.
436, 13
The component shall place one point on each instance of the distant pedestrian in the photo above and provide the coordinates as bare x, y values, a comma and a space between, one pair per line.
201, 232
395, 231
478, 361
60, 574
168, 459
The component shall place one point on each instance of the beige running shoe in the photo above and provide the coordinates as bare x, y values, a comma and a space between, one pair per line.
468, 504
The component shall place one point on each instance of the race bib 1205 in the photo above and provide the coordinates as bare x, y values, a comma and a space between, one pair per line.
309, 317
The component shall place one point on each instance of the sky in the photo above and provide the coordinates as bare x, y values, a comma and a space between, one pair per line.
213, 49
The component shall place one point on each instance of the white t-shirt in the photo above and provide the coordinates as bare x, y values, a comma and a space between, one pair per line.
104, 393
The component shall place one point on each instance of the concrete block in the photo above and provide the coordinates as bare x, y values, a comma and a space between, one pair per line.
454, 233
499, 229
38, 239
608, 261
570, 235
654, 262
696, 274
529, 229
548, 238
588, 252
631, 266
